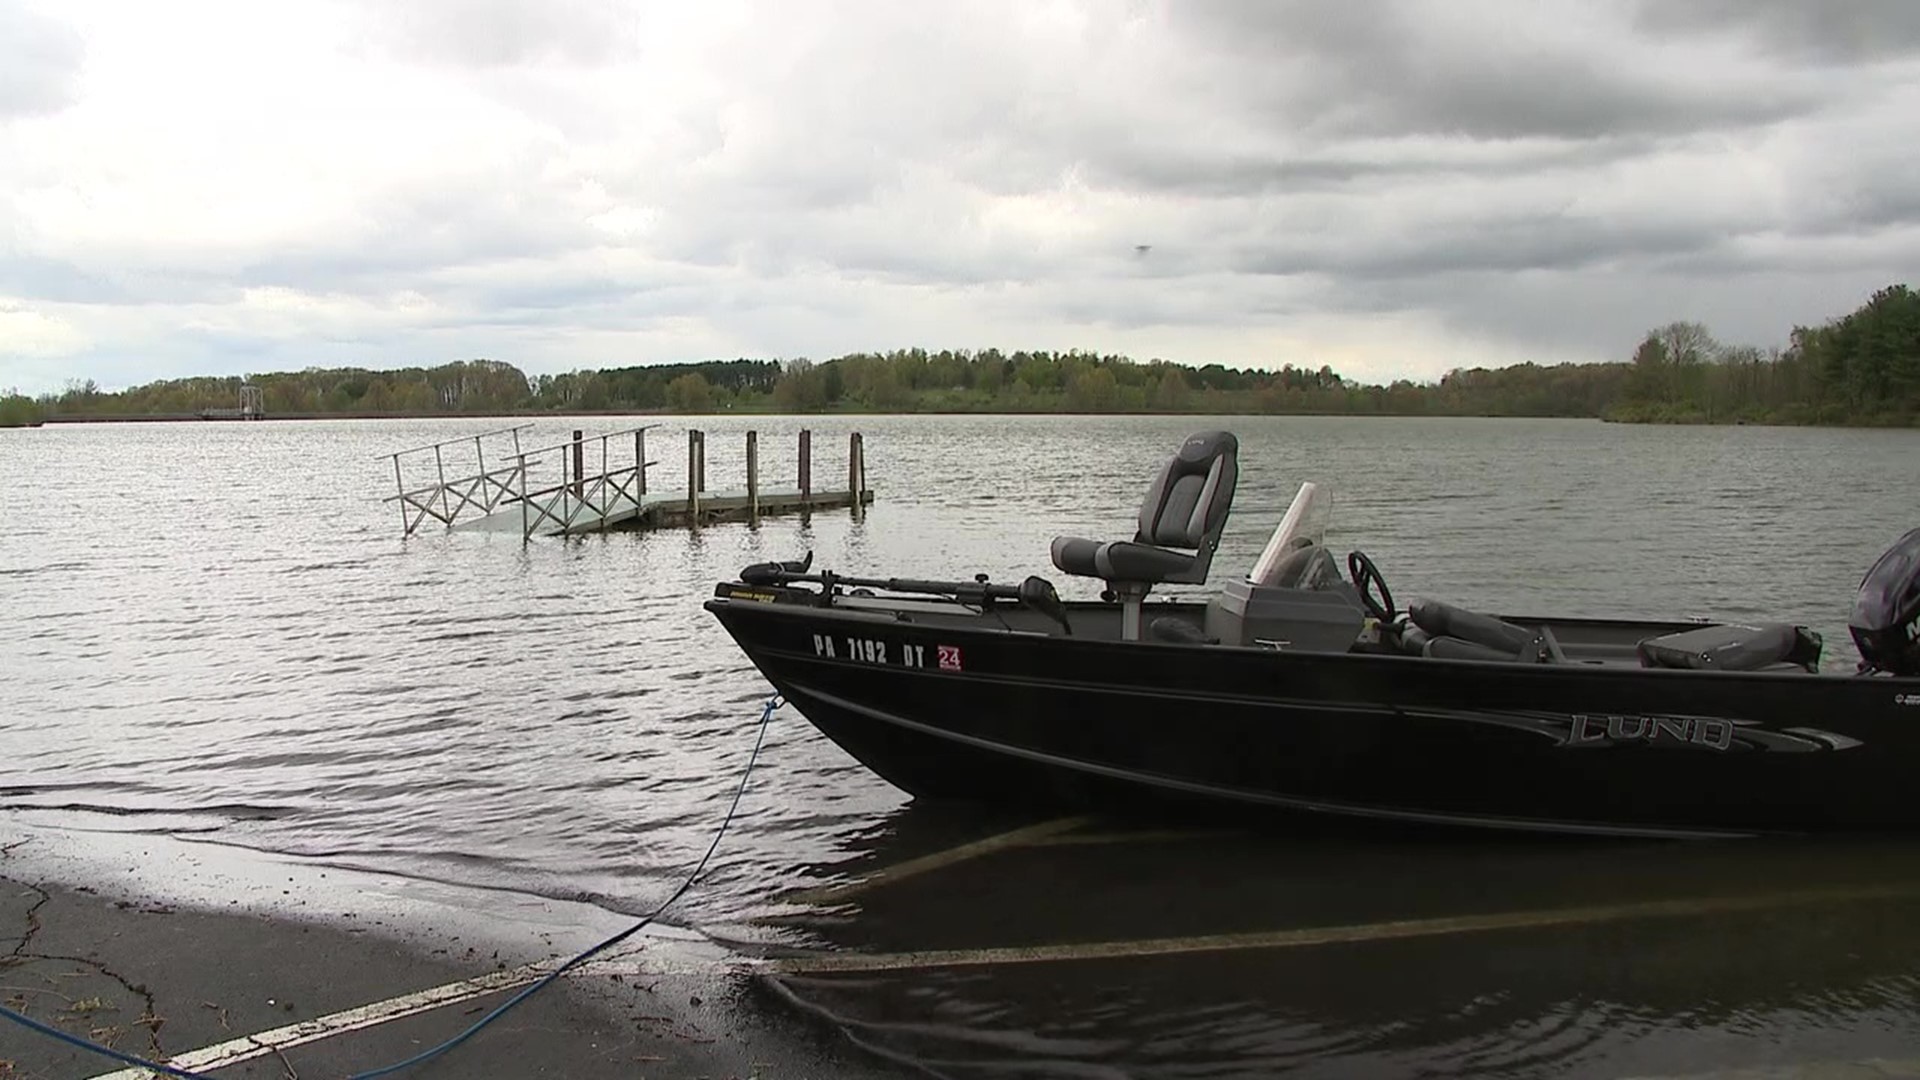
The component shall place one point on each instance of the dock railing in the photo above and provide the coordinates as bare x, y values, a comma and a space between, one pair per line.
578, 499
481, 491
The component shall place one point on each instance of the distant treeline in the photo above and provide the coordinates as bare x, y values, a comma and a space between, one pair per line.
1862, 368
19, 411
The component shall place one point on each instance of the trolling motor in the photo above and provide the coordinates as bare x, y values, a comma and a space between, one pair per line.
766, 573
1886, 613
1035, 592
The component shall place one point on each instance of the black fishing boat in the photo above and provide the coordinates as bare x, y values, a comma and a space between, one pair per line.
1305, 690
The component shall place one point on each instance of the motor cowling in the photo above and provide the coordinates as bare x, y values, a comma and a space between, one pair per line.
1886, 613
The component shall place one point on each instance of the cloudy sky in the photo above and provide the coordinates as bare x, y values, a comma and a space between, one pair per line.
1392, 188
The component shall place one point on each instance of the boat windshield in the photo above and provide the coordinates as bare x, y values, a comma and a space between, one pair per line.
1296, 556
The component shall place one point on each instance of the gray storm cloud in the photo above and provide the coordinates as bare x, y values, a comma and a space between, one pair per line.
1404, 187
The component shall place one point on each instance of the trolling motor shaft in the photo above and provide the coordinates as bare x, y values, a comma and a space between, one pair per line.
1035, 592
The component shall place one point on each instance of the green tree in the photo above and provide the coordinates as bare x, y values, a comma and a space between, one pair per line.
1649, 380
802, 387
1171, 393
18, 410
1093, 390
690, 393
1689, 347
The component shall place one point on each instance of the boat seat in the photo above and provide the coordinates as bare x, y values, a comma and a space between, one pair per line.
1734, 647
1445, 632
1186, 508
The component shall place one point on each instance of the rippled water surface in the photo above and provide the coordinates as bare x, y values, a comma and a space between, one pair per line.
218, 630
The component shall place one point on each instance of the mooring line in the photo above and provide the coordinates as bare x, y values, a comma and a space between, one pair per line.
828, 894
532, 976
1314, 936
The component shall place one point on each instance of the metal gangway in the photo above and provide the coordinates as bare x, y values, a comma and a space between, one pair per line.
526, 490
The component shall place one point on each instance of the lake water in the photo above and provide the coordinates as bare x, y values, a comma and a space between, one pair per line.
218, 631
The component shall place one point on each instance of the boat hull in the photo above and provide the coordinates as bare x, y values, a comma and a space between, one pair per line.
1010, 717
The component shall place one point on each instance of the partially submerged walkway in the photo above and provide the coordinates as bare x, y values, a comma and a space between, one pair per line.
549, 491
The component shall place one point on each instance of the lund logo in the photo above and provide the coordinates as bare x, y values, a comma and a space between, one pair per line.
1587, 730
1711, 732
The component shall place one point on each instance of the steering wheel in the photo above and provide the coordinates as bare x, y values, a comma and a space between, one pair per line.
1365, 577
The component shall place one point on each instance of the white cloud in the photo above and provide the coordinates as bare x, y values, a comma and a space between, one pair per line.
39, 59
35, 333
1393, 188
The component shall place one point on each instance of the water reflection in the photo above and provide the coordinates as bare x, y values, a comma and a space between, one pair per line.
1671, 958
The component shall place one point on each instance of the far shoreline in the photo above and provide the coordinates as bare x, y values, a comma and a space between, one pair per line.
668, 415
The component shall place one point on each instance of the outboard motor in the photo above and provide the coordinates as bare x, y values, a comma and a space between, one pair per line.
1886, 613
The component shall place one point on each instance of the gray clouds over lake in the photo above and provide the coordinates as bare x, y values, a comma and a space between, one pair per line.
1391, 188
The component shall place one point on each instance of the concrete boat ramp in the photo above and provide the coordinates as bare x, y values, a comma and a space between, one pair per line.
598, 483
232, 963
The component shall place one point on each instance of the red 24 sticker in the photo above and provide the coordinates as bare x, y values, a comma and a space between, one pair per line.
949, 657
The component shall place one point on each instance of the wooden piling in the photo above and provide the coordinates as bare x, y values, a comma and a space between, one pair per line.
806, 468
856, 471
694, 438
579, 464
640, 459
753, 478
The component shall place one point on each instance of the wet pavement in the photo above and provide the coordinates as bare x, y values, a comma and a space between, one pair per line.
296, 992
961, 945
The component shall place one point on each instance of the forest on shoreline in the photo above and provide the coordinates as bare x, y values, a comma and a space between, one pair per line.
1862, 368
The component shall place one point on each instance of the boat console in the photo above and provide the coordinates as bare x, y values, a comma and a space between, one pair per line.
1295, 597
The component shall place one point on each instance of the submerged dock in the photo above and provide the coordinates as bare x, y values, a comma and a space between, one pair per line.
550, 490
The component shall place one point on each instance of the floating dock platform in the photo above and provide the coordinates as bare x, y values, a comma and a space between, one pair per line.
529, 494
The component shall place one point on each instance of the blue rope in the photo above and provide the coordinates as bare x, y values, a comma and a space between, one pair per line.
46, 1029
766, 715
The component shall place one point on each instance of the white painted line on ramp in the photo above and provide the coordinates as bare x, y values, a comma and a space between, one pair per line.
974, 849
248, 1047
1319, 936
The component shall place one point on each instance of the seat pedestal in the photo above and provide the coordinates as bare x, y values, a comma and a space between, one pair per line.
1132, 596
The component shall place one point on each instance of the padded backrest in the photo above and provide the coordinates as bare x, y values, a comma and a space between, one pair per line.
1189, 500
1442, 620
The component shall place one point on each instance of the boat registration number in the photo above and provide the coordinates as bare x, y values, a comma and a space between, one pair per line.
869, 650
